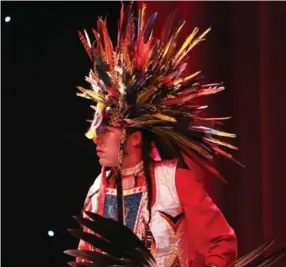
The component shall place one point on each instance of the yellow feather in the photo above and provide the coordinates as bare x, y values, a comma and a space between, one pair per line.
83, 95
191, 76
218, 142
173, 38
100, 107
179, 81
163, 117
199, 39
187, 41
91, 134
144, 95
90, 93
212, 119
148, 122
193, 44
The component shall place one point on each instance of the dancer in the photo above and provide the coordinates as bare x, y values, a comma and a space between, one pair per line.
147, 128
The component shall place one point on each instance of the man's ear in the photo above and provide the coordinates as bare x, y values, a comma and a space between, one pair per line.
136, 138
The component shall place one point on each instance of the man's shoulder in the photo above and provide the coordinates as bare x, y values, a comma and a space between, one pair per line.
166, 163
173, 163
181, 171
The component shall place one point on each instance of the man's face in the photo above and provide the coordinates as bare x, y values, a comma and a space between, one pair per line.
107, 145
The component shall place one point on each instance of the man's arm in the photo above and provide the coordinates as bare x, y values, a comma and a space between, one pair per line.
208, 228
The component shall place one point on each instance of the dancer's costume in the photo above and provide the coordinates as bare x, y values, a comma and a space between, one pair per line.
142, 84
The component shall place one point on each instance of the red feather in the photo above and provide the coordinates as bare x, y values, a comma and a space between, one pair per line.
85, 44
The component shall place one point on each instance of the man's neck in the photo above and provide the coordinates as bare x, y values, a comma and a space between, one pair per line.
131, 162
133, 171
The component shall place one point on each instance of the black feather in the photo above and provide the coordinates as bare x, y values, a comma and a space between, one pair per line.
121, 247
97, 257
270, 259
97, 241
149, 27
118, 233
133, 253
100, 67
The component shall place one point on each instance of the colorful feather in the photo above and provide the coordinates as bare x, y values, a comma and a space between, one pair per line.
149, 28
145, 95
85, 44
106, 41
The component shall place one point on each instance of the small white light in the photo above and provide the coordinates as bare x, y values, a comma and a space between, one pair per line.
7, 19
51, 233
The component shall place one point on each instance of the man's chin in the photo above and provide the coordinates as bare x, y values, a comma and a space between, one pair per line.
102, 162
106, 163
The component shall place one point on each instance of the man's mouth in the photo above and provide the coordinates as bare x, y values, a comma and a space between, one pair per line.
99, 152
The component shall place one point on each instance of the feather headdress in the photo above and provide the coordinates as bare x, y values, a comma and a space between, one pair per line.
140, 83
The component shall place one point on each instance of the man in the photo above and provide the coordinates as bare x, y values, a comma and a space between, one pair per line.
147, 125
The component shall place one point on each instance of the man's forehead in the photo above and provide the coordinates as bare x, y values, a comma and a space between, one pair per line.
110, 128
106, 127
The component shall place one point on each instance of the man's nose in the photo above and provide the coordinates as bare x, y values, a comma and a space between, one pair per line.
96, 139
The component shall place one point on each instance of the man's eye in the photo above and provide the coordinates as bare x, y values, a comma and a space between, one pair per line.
102, 130
99, 129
